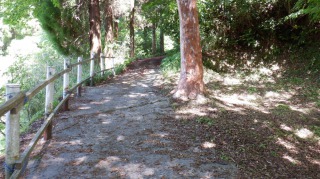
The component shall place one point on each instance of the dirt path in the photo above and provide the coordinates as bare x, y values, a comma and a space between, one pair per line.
124, 129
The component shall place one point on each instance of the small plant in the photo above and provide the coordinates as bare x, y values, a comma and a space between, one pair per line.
174, 105
224, 157
316, 130
296, 80
262, 146
119, 68
274, 154
205, 120
171, 64
283, 107
252, 90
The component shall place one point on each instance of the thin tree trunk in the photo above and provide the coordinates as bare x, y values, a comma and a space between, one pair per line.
95, 27
116, 28
190, 84
131, 26
146, 46
161, 42
109, 29
154, 38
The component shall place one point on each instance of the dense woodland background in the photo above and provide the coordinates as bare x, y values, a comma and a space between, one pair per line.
237, 36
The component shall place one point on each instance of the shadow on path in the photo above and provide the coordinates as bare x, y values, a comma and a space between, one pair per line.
119, 130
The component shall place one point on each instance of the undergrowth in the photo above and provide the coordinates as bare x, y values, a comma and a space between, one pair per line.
171, 64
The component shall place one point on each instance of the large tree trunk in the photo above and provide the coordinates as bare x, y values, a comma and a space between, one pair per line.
95, 27
131, 27
154, 38
108, 51
190, 84
161, 42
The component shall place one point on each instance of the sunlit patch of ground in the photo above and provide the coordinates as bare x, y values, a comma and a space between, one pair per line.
265, 122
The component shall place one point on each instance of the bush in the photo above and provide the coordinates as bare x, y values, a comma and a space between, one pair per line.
171, 64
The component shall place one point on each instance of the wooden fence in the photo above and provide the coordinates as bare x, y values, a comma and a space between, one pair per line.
15, 163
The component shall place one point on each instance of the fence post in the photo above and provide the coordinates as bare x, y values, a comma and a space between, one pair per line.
79, 76
113, 70
91, 68
12, 132
49, 102
102, 64
66, 84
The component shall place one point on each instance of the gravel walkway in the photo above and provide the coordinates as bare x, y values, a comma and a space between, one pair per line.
121, 130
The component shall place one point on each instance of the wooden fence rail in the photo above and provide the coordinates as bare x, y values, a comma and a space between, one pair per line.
15, 166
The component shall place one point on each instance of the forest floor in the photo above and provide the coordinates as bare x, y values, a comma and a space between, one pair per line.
264, 121
257, 125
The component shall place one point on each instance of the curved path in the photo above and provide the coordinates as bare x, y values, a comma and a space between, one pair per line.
120, 130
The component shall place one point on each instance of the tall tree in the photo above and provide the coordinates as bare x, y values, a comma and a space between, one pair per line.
95, 27
191, 83
108, 13
161, 41
154, 38
131, 27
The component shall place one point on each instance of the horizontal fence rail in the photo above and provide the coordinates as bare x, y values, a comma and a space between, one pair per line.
15, 163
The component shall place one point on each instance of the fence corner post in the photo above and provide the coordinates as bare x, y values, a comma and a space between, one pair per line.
47, 135
79, 76
102, 64
66, 84
92, 56
12, 132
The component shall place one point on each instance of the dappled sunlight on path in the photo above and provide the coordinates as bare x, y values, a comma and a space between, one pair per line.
120, 130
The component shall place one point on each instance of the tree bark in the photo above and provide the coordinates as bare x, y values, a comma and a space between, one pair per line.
95, 27
116, 28
154, 38
146, 46
109, 29
131, 26
161, 42
191, 83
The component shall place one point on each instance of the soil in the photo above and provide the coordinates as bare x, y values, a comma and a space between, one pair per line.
129, 127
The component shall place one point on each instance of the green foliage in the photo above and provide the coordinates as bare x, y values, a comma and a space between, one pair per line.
28, 76
205, 120
16, 13
171, 64
316, 130
253, 24
165, 14
224, 157
58, 19
64, 30
97, 79
252, 90
144, 42
303, 7
2, 93
282, 109
121, 67
2, 144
